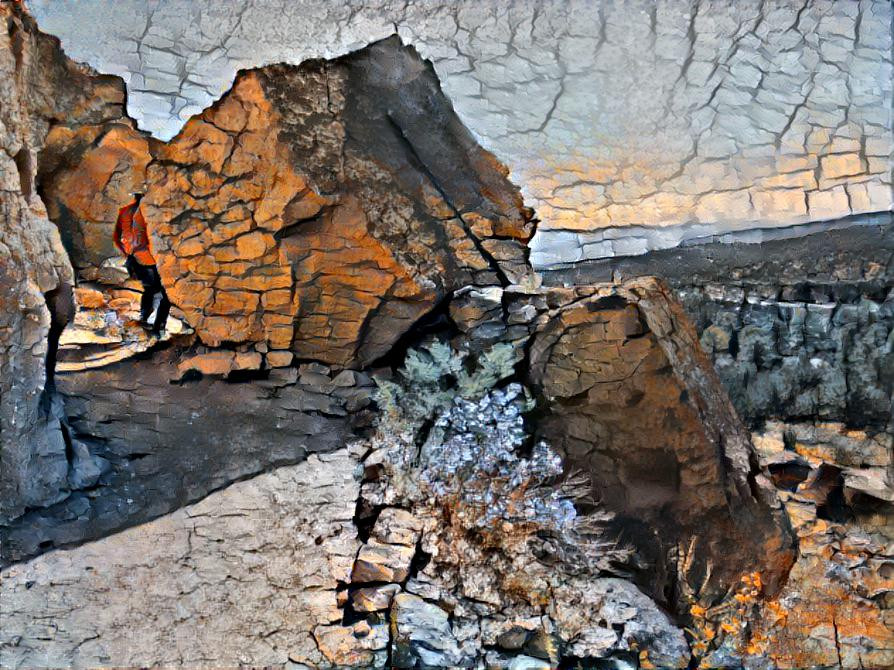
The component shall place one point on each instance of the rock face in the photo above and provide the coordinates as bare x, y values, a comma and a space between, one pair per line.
40, 88
683, 465
87, 173
837, 490
326, 207
321, 208
796, 328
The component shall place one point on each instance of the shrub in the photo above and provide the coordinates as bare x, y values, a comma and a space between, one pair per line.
456, 441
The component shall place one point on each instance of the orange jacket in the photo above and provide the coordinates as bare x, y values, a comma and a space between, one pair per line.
131, 236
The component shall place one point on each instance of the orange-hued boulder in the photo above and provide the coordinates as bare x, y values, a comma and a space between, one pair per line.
314, 209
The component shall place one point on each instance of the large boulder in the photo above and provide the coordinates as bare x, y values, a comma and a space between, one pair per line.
326, 207
629, 398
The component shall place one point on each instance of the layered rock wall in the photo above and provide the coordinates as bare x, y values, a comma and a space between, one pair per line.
797, 329
39, 89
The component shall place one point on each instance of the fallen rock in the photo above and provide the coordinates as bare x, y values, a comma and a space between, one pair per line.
89, 298
603, 616
333, 247
528, 663
510, 634
682, 479
353, 646
421, 635
379, 562
279, 359
210, 363
873, 482
374, 598
397, 526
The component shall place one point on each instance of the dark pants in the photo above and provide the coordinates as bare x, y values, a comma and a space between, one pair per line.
148, 275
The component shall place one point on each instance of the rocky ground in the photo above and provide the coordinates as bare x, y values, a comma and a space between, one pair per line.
325, 564
370, 438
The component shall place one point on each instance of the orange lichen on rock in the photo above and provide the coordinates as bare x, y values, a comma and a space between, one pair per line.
273, 224
218, 255
822, 621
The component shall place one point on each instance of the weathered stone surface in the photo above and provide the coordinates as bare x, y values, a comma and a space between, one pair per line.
397, 526
795, 328
317, 208
88, 174
647, 122
38, 87
824, 442
422, 635
395, 216
105, 329
684, 465
173, 443
834, 610
296, 186
799, 332
353, 646
374, 598
628, 620
244, 576
279, 359
379, 562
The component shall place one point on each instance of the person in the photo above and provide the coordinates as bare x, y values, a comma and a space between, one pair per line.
132, 240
